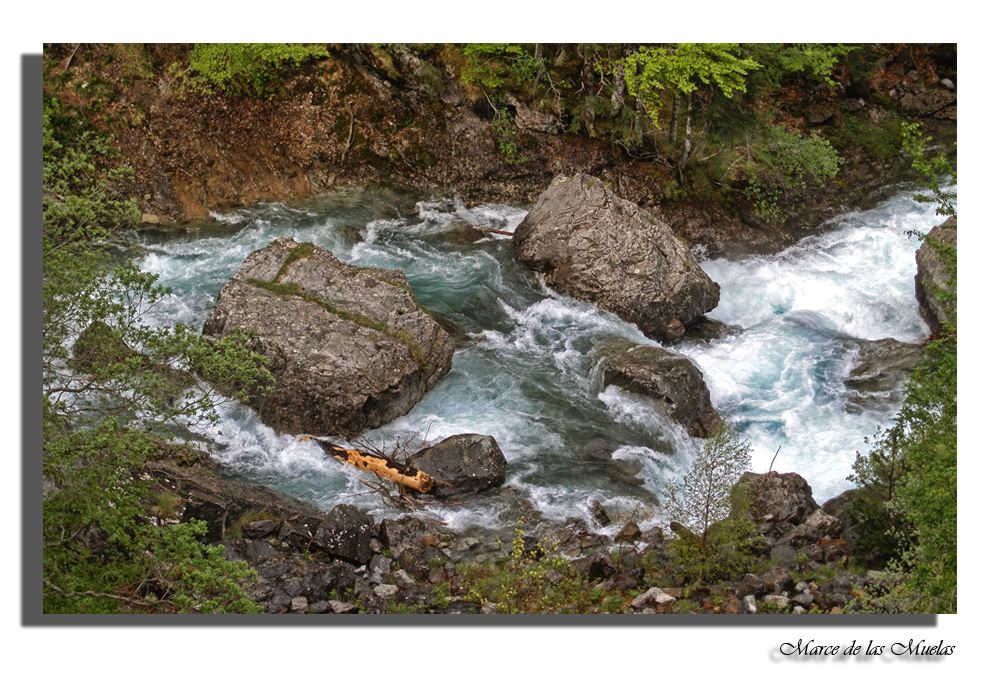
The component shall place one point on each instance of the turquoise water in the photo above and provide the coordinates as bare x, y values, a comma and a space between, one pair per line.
526, 371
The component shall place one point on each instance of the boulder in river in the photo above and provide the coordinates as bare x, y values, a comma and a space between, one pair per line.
670, 379
590, 244
932, 274
464, 463
349, 347
880, 373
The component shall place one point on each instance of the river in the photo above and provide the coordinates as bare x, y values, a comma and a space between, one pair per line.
526, 370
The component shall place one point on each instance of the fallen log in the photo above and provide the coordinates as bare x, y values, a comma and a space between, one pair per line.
405, 475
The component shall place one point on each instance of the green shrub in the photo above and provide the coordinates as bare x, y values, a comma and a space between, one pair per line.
246, 69
782, 166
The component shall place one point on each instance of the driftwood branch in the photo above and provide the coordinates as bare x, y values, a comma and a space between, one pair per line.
350, 132
70, 60
404, 475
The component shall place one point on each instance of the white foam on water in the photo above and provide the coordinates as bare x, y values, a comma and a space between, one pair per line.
527, 373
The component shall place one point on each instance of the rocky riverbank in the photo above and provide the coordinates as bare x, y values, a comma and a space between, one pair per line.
795, 559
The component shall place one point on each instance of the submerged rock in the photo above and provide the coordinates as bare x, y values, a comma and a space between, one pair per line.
464, 463
349, 348
668, 378
880, 373
931, 274
590, 244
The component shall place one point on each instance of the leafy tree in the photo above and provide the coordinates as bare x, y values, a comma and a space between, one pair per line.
111, 386
681, 71
708, 508
811, 61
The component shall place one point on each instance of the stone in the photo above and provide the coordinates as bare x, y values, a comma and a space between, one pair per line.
468, 544
407, 531
839, 507
588, 243
299, 604
221, 502
931, 273
414, 562
784, 554
338, 607
748, 605
880, 372
403, 579
669, 379
349, 348
599, 514
653, 595
817, 115
150, 218
630, 533
777, 579
779, 601
386, 590
380, 565
464, 463
786, 497
752, 585
346, 533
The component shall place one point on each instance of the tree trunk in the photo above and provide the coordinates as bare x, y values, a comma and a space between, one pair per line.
687, 139
675, 117
405, 475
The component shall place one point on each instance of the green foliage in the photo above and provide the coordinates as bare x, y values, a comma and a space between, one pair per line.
909, 482
100, 556
712, 509
505, 132
882, 532
812, 61
79, 202
246, 69
528, 583
883, 141
496, 65
934, 173
110, 383
782, 166
653, 71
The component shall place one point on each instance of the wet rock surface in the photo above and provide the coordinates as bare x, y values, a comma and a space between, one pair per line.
671, 380
349, 348
880, 372
464, 463
931, 273
590, 244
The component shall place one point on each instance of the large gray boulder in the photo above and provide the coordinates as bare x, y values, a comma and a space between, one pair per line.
671, 380
784, 500
349, 348
464, 463
932, 274
590, 244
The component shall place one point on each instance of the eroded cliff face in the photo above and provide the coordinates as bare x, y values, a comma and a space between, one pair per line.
400, 117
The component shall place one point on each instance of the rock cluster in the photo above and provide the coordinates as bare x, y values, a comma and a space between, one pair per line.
344, 562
